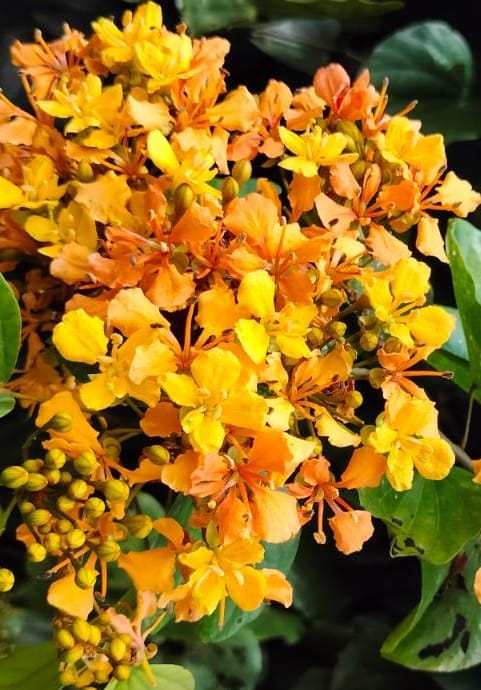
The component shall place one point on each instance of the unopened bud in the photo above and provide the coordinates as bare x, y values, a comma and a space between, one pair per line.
65, 503
85, 172
117, 649
368, 341
392, 345
36, 482
7, 580
71, 656
111, 446
52, 543
157, 454
183, 199
55, 459
95, 635
52, 476
337, 329
81, 630
116, 490
242, 171
36, 552
365, 433
138, 525
332, 298
78, 489
229, 189
354, 399
84, 679
67, 677
86, 463
353, 135
63, 526
33, 464
14, 476
75, 538
377, 377
38, 517
151, 650
26, 507
85, 578
108, 551
122, 672
94, 507
62, 422
64, 639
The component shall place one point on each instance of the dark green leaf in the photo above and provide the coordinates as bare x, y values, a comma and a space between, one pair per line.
344, 9
7, 403
426, 520
444, 631
273, 623
10, 325
431, 63
304, 44
202, 16
34, 668
463, 244
167, 677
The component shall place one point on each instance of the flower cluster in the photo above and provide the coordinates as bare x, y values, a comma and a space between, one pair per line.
213, 278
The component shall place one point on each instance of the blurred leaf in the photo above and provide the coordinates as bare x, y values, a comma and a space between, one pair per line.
167, 677
444, 635
344, 9
462, 680
430, 62
10, 325
426, 520
202, 16
304, 44
34, 668
149, 505
276, 623
7, 403
463, 244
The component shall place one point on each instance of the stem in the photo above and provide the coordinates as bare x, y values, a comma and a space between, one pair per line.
467, 426
5, 514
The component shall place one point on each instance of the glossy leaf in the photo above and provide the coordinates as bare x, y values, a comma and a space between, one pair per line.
10, 324
301, 43
463, 244
426, 520
275, 623
167, 677
444, 632
34, 667
7, 403
202, 16
431, 63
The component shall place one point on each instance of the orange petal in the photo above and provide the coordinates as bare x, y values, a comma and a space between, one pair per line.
161, 420
351, 529
277, 587
365, 469
64, 595
150, 571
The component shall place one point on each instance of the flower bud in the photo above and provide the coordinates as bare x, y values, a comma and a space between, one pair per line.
33, 464
377, 376
86, 463
64, 639
7, 580
354, 399
78, 489
55, 459
368, 341
392, 345
26, 507
52, 476
138, 525
36, 552
63, 526
52, 543
14, 476
81, 630
229, 189
111, 446
94, 507
85, 171
38, 517
36, 482
117, 650
84, 679
332, 298
122, 672
85, 578
65, 503
337, 329
71, 656
95, 635
62, 422
116, 490
75, 538
157, 454
183, 199
242, 171
108, 551
67, 677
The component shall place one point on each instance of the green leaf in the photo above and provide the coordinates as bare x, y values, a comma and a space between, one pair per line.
344, 9
431, 63
426, 520
7, 403
167, 676
34, 668
301, 43
10, 325
463, 244
202, 16
444, 632
275, 623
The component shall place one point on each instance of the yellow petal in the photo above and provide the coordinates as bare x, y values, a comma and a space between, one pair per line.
154, 359
161, 152
130, 310
437, 463
253, 338
431, 325
245, 409
400, 469
10, 194
216, 370
80, 337
96, 394
293, 346
181, 389
208, 436
256, 294
246, 587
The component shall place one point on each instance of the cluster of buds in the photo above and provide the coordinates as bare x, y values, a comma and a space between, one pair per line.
225, 325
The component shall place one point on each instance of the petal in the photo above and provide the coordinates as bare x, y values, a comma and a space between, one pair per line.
131, 310
437, 463
161, 152
351, 529
161, 420
97, 394
208, 436
365, 469
275, 516
246, 587
150, 571
253, 338
256, 294
181, 389
80, 337
400, 469
246, 409
177, 475
277, 587
216, 370
66, 596
10, 194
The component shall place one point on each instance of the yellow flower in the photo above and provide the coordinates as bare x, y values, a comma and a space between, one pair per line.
289, 326
213, 397
74, 224
80, 337
407, 432
313, 149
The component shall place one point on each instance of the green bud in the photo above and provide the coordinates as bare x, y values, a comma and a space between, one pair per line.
86, 463
157, 454
242, 171
116, 490
78, 489
55, 459
117, 650
62, 421
36, 482
81, 630
183, 199
138, 525
108, 551
229, 189
14, 476
85, 578
38, 517
75, 538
